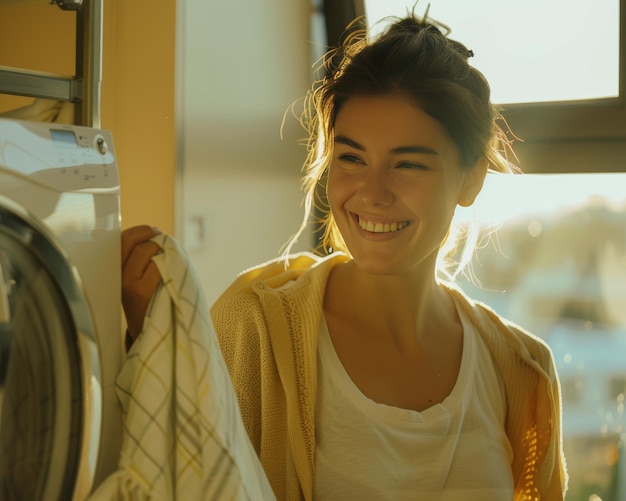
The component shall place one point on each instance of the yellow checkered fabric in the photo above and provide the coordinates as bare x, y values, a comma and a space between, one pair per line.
183, 434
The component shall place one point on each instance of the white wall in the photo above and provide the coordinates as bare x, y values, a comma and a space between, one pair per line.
242, 64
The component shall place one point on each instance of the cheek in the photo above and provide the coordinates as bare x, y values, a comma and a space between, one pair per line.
335, 191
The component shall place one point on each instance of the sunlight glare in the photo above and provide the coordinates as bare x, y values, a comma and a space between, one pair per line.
533, 51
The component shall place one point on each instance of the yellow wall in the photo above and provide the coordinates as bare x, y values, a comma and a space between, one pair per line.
138, 104
36, 37
139, 46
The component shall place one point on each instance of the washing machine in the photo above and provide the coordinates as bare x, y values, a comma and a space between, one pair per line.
60, 315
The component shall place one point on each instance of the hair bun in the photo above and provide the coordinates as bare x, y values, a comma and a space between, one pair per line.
418, 26
415, 25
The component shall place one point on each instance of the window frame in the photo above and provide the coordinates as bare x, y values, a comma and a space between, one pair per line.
584, 119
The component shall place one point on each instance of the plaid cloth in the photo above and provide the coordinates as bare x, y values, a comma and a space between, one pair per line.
183, 434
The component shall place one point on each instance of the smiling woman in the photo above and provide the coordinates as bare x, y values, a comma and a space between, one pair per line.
401, 170
390, 381
442, 85
402, 132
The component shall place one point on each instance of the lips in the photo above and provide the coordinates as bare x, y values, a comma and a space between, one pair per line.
381, 227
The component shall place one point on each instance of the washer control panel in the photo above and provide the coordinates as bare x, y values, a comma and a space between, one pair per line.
68, 156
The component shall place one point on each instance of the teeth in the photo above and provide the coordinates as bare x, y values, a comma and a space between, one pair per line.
382, 227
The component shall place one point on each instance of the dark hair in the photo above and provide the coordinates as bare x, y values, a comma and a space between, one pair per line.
415, 58
412, 57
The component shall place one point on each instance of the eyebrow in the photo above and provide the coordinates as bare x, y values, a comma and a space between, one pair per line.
398, 150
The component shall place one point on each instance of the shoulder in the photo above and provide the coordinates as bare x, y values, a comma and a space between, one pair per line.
504, 337
284, 274
265, 301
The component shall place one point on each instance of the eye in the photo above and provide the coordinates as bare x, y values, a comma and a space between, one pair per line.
412, 166
349, 157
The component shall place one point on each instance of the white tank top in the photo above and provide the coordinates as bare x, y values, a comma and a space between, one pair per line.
454, 450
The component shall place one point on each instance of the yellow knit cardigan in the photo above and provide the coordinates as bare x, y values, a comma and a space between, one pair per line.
267, 323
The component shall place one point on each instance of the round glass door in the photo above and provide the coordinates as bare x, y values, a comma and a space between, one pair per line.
47, 366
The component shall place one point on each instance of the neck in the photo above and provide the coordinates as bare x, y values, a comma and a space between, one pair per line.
406, 307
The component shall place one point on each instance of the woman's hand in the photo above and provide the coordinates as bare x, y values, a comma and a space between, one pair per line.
140, 276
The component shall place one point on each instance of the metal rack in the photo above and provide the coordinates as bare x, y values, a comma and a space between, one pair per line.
83, 89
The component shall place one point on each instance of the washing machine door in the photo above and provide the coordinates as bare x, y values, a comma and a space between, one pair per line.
49, 373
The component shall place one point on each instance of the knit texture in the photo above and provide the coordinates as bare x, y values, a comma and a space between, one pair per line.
270, 352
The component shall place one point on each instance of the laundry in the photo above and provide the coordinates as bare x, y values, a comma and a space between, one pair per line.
183, 434
43, 110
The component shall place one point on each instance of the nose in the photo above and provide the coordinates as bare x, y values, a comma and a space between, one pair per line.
375, 187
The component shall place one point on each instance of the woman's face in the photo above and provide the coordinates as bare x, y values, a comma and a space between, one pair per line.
394, 183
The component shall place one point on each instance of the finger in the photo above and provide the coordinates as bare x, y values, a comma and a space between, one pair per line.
134, 236
138, 261
136, 296
141, 289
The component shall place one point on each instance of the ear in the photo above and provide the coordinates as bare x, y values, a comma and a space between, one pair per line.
473, 183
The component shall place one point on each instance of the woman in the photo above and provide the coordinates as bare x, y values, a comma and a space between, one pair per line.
365, 374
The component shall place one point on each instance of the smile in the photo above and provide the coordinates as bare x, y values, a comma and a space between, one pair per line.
378, 227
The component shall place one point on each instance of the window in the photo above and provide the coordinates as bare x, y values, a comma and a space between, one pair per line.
556, 264
532, 51
562, 125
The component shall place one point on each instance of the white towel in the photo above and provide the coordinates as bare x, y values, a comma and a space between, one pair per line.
183, 434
